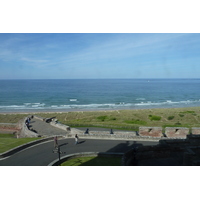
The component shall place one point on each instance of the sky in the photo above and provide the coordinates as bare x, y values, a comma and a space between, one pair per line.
99, 55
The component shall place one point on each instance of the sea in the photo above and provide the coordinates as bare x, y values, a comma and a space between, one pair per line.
65, 95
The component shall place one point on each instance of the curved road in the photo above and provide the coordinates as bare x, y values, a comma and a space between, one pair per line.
42, 154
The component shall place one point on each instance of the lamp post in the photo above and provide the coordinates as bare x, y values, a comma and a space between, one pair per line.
59, 152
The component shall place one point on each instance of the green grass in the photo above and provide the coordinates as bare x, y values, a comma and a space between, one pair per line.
9, 141
121, 119
93, 161
154, 118
189, 111
102, 118
137, 121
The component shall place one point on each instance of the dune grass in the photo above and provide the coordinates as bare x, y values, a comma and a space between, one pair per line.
121, 119
132, 119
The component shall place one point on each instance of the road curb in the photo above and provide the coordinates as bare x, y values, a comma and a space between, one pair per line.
22, 147
83, 154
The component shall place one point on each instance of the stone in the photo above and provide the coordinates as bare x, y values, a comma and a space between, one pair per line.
176, 132
150, 131
196, 130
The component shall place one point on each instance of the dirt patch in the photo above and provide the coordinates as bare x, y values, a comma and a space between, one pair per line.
6, 129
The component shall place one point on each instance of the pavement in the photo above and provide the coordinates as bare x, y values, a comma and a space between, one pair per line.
45, 129
41, 154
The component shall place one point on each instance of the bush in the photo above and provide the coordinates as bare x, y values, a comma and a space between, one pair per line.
170, 117
102, 118
154, 118
113, 118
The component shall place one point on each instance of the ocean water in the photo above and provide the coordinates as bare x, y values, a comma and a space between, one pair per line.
101, 94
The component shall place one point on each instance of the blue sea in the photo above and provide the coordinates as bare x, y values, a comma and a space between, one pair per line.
97, 94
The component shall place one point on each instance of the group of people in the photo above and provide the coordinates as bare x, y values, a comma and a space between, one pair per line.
27, 122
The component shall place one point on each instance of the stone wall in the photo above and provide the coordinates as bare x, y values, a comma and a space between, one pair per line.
196, 131
25, 132
176, 132
59, 125
173, 152
151, 131
107, 134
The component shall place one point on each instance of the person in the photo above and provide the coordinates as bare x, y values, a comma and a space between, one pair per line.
76, 139
55, 142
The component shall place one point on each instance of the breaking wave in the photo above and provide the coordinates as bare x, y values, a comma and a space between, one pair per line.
121, 105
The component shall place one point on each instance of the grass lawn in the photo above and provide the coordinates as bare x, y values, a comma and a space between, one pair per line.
8, 141
93, 161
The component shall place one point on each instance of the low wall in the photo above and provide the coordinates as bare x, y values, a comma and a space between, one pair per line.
25, 132
106, 135
196, 130
40, 118
176, 132
60, 126
151, 131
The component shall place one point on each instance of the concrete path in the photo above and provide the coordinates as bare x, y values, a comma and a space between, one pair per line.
42, 154
45, 129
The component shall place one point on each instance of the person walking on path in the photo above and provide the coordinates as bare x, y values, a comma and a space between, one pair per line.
55, 142
76, 139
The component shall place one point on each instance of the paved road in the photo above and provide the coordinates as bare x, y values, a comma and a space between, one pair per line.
42, 154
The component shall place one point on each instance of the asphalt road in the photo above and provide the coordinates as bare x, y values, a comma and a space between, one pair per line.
42, 154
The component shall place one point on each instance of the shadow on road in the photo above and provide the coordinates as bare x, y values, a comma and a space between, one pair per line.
123, 147
81, 142
112, 160
62, 144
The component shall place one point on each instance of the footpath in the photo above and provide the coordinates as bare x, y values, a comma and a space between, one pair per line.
45, 129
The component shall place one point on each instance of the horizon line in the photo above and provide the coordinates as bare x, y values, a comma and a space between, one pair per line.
91, 78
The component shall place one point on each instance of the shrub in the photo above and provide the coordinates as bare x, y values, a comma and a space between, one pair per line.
154, 118
170, 117
113, 118
102, 118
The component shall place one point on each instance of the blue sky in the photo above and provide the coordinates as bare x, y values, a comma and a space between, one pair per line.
84, 55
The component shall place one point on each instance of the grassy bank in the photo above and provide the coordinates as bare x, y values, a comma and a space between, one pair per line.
9, 141
121, 119
93, 161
